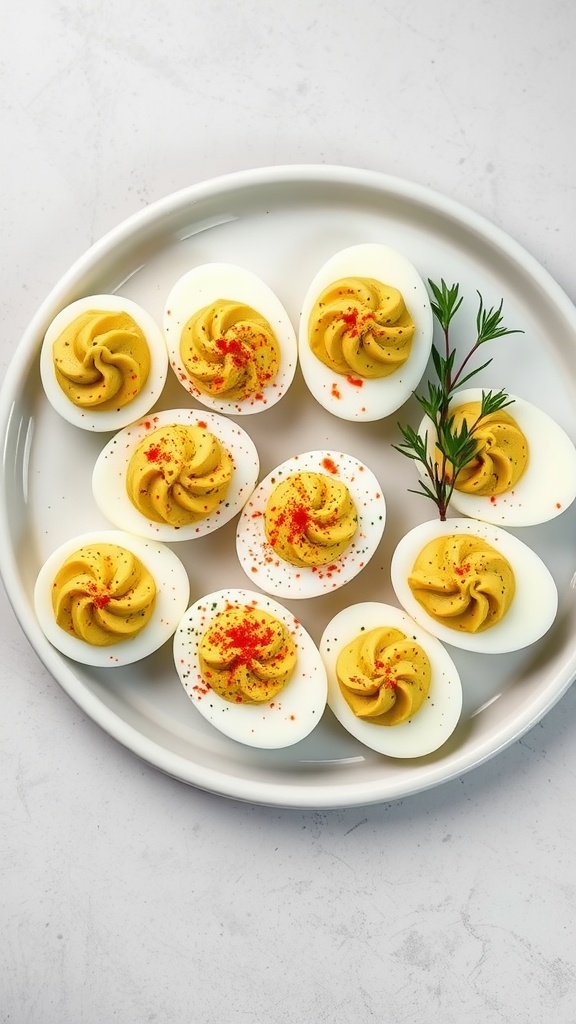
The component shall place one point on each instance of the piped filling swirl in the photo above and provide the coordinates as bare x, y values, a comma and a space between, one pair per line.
463, 582
361, 326
103, 594
246, 655
501, 451
230, 350
310, 519
179, 474
101, 360
384, 676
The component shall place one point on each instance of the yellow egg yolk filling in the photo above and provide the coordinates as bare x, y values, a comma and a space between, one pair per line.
310, 519
179, 474
246, 655
230, 350
501, 451
361, 327
101, 360
103, 594
384, 676
463, 582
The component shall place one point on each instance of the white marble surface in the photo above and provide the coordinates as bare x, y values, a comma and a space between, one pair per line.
126, 896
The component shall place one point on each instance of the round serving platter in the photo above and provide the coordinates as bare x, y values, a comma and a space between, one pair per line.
282, 223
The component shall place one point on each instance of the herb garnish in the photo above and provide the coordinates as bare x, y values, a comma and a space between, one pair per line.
457, 447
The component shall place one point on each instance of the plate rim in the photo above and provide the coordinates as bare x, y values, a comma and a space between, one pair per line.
270, 793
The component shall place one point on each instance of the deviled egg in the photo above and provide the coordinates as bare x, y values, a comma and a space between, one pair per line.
473, 585
390, 684
365, 332
109, 598
231, 343
177, 475
525, 469
250, 668
103, 362
311, 525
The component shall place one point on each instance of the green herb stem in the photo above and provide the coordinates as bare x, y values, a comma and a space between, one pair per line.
457, 447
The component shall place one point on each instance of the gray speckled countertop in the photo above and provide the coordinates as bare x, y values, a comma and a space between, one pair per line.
126, 896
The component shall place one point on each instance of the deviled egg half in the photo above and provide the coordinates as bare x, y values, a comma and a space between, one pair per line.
524, 472
250, 668
230, 341
390, 683
103, 362
474, 585
365, 332
109, 598
311, 525
176, 475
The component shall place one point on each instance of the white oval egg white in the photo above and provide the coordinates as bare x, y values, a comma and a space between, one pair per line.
438, 717
281, 722
114, 419
274, 575
207, 283
109, 475
173, 592
547, 486
534, 605
369, 399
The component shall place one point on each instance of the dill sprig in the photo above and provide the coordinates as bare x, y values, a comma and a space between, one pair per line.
456, 446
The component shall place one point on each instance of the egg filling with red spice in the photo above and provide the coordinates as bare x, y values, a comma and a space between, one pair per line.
246, 655
231, 343
463, 582
383, 675
365, 332
250, 668
311, 525
360, 327
229, 350
474, 585
103, 594
310, 519
177, 475
109, 598
390, 683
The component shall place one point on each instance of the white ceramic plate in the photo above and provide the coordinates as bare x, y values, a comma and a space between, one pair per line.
283, 223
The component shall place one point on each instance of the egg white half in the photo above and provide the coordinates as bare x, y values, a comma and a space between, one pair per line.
204, 285
433, 723
364, 400
281, 722
534, 605
173, 592
112, 419
274, 575
109, 475
547, 486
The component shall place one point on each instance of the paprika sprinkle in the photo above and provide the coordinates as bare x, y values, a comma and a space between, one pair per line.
246, 655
